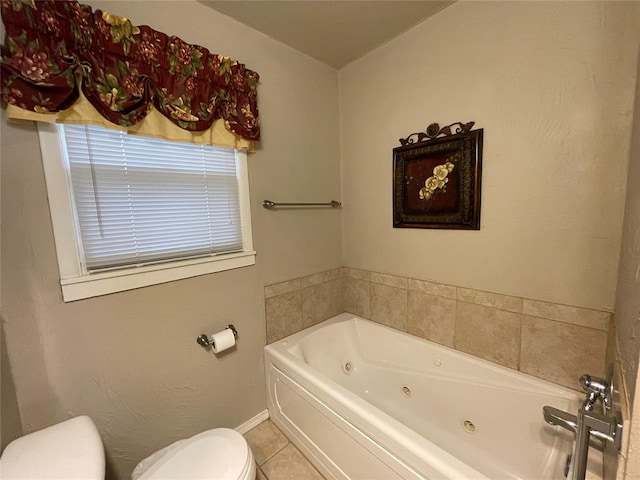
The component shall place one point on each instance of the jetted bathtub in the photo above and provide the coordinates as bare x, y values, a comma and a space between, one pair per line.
364, 401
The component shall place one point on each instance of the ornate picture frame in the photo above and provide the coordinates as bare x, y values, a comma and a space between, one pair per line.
437, 181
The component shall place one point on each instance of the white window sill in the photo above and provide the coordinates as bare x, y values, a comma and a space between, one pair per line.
95, 284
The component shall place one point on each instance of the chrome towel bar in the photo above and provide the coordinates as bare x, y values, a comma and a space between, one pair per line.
269, 205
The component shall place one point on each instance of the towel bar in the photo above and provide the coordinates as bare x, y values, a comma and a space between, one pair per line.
269, 205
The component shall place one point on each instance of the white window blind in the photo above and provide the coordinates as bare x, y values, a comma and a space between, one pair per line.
140, 200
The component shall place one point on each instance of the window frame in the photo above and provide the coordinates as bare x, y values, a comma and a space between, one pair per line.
77, 282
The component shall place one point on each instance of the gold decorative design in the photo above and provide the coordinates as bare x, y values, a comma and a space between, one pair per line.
437, 182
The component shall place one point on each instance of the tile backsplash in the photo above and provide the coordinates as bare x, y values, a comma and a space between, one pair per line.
555, 342
296, 304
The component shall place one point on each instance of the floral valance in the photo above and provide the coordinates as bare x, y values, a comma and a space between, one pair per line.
56, 50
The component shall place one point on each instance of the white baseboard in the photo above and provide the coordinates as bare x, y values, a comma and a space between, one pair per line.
252, 422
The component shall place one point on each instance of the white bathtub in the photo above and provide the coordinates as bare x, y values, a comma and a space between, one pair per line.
363, 401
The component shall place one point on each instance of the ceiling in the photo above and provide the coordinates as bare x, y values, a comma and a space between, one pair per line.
335, 32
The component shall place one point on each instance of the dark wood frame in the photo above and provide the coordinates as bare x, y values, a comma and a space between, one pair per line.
466, 150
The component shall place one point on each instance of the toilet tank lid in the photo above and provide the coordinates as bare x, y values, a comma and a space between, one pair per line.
68, 450
213, 454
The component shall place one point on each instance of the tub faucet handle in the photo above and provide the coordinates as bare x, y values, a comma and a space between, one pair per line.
595, 388
590, 383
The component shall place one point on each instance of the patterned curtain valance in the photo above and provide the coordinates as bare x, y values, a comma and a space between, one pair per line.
55, 48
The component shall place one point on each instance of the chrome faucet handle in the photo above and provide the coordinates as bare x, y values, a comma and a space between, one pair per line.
595, 388
590, 383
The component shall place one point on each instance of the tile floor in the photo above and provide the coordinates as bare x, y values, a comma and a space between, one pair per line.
276, 457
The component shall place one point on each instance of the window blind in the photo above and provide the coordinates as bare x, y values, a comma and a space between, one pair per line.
141, 200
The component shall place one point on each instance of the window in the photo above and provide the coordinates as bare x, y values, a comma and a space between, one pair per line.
130, 211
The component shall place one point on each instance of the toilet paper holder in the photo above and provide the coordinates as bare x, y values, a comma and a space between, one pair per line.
204, 341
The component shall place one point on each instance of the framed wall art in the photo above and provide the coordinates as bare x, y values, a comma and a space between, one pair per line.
437, 178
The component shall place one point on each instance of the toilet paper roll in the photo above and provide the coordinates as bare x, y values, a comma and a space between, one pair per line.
222, 341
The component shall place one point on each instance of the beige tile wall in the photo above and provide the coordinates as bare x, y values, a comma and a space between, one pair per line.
296, 304
551, 341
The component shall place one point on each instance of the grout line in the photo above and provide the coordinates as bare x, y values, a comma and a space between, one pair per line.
522, 297
520, 333
276, 452
577, 325
406, 310
455, 322
308, 461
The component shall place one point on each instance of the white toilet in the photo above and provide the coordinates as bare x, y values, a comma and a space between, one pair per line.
73, 450
220, 454
70, 450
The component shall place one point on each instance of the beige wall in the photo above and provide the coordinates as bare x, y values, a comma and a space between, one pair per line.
628, 293
10, 424
552, 84
130, 360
